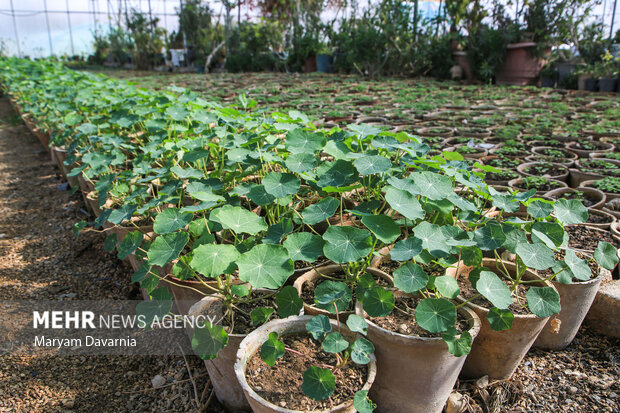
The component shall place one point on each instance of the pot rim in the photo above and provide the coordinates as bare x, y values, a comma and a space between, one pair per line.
195, 308
240, 365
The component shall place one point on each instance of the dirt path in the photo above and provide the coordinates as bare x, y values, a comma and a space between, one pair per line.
40, 259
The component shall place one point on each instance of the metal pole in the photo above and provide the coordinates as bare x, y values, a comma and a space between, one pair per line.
19, 51
165, 16
603, 13
70, 31
613, 16
47, 22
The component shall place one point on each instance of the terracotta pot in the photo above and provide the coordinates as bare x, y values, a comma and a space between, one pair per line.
512, 185
289, 326
497, 354
313, 276
608, 195
576, 299
93, 203
596, 196
416, 374
568, 161
578, 175
561, 176
188, 292
584, 153
520, 66
609, 219
221, 369
603, 315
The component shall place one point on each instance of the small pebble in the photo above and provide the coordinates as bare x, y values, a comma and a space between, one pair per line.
158, 381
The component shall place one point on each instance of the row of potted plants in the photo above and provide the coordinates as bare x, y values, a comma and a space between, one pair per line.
390, 252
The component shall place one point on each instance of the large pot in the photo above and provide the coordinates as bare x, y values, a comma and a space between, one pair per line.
313, 276
608, 195
577, 175
512, 184
289, 326
520, 66
497, 354
416, 374
603, 315
522, 169
596, 196
221, 369
576, 299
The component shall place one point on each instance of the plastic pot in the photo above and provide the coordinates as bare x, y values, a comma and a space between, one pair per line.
221, 369
252, 344
416, 374
313, 276
607, 85
576, 299
596, 196
497, 354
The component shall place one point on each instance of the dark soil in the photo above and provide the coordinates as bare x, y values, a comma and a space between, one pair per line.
467, 291
587, 239
402, 319
281, 384
243, 321
598, 219
548, 187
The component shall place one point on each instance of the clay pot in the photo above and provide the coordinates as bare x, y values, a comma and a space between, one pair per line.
608, 195
609, 219
188, 292
561, 176
289, 326
432, 131
577, 176
576, 299
595, 195
583, 153
416, 374
520, 66
312, 276
603, 315
514, 182
568, 161
60, 155
497, 354
221, 369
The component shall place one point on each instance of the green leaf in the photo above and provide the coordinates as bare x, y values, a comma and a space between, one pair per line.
185, 173
288, 302
337, 174
265, 266
170, 220
357, 324
202, 192
153, 309
272, 349
435, 315
318, 383
304, 246
433, 239
494, 289
539, 209
122, 213
543, 301
334, 343
430, 185
208, 340
276, 232
378, 302
447, 286
240, 290
458, 344
549, 233
320, 211
500, 319
129, 244
239, 220
570, 211
537, 256
410, 278
384, 227
362, 403
281, 184
490, 237
346, 244
177, 112
372, 164
361, 350
471, 256
578, 268
167, 247
406, 249
260, 315
606, 255
404, 203
318, 327
329, 292
302, 141
300, 162
258, 194
110, 243
213, 260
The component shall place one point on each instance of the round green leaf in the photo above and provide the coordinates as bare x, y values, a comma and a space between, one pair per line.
490, 237
578, 268
153, 309
378, 302
281, 184
272, 349
406, 249
208, 340
494, 289
606, 255
549, 233
213, 260
239, 220
334, 343
259, 195
318, 327
302, 141
329, 292
405, 203
372, 164
346, 244
435, 315
410, 278
362, 403
304, 246
320, 211
430, 185
447, 286
361, 350
537, 256
357, 324
300, 162
288, 302
167, 247
260, 315
318, 383
539, 209
265, 266
384, 227
129, 244
170, 220
570, 211
543, 301
500, 319
459, 344
337, 174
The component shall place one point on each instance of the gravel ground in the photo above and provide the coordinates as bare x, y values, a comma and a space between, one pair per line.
40, 259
